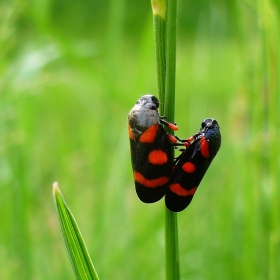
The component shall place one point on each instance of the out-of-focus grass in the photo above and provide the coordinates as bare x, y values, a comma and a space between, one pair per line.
65, 93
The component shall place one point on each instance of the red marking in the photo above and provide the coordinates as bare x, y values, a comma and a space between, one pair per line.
204, 147
131, 136
176, 188
189, 141
157, 157
172, 138
138, 177
187, 144
149, 135
189, 167
172, 126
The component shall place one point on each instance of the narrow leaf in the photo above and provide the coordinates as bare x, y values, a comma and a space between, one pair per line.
77, 251
159, 10
165, 17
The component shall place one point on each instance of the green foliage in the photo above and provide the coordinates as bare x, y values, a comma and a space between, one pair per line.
78, 254
165, 48
165, 18
67, 83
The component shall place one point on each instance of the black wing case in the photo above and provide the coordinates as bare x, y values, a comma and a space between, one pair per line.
191, 166
152, 164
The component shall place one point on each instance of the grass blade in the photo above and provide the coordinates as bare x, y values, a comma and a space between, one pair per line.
159, 11
165, 13
171, 227
170, 46
77, 251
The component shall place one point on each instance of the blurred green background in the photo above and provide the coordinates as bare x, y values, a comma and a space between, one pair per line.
70, 71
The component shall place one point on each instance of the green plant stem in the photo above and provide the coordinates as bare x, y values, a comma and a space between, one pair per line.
160, 53
172, 266
159, 11
165, 13
171, 227
270, 46
170, 46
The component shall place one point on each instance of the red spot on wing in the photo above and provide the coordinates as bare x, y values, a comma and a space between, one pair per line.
131, 136
158, 157
177, 189
188, 167
138, 177
204, 148
149, 135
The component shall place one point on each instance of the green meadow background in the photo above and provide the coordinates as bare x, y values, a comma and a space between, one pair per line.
70, 71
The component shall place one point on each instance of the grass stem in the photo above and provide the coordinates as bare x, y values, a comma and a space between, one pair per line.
165, 13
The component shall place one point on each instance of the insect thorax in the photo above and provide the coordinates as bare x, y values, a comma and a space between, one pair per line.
141, 118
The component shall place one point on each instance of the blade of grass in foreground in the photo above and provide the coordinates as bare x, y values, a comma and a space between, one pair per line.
77, 251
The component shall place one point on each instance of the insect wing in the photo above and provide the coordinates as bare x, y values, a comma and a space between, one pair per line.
151, 157
191, 166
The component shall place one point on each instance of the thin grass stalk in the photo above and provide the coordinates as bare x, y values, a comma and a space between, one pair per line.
159, 11
271, 51
271, 62
165, 45
171, 18
274, 117
171, 227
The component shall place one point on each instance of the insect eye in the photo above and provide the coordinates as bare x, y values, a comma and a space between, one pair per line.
156, 102
208, 123
204, 123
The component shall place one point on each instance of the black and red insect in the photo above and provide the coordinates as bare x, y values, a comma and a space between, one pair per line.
151, 150
192, 164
